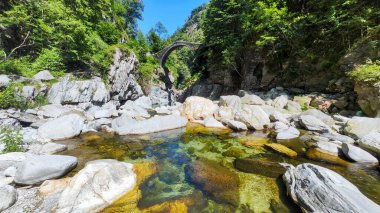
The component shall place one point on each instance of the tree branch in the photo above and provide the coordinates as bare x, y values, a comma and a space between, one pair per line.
14, 49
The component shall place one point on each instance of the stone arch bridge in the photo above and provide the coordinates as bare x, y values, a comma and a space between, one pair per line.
163, 55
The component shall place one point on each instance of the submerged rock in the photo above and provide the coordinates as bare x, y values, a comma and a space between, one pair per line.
357, 154
96, 186
65, 127
215, 180
317, 189
8, 196
258, 166
282, 149
36, 169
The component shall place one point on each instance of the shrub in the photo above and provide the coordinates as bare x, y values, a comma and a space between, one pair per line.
11, 139
367, 73
49, 59
9, 98
19, 66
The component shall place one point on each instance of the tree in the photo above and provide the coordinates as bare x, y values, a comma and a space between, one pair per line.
155, 42
161, 30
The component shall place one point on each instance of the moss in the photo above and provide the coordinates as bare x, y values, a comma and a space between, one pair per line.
234, 152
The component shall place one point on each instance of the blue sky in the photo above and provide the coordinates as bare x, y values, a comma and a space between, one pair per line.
172, 13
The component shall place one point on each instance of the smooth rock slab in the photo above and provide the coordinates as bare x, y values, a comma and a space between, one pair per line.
198, 108
236, 125
96, 186
8, 196
253, 116
211, 122
358, 127
125, 125
36, 169
65, 127
13, 159
313, 124
371, 142
317, 189
357, 154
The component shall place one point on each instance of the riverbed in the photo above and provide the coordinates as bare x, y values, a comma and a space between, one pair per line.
196, 169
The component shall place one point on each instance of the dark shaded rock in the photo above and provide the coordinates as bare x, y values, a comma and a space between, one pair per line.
215, 180
258, 166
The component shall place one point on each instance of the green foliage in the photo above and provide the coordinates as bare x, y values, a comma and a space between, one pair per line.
367, 73
12, 140
49, 59
18, 66
74, 30
102, 60
9, 98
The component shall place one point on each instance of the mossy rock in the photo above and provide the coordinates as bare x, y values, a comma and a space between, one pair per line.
319, 155
253, 142
282, 149
217, 181
258, 166
234, 152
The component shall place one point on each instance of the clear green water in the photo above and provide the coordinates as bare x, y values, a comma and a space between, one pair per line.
200, 167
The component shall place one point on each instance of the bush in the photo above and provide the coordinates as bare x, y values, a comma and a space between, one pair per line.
49, 59
11, 139
9, 98
367, 73
20, 66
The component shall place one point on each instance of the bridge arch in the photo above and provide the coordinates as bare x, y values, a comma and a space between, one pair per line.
164, 54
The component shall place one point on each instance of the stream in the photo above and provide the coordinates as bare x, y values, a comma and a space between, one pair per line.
194, 169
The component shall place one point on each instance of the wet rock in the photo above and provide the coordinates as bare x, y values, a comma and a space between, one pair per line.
252, 100
328, 147
36, 169
317, 189
236, 125
96, 186
371, 142
282, 149
357, 154
358, 127
8, 196
73, 125
258, 166
43, 75
215, 180
313, 124
126, 125
253, 116
121, 77
198, 108
211, 122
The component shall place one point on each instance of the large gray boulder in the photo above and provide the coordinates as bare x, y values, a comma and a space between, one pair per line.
253, 116
13, 159
198, 108
43, 75
8, 196
67, 91
65, 127
36, 169
96, 186
125, 125
280, 102
358, 127
55, 110
357, 154
28, 92
317, 189
371, 142
231, 101
327, 119
121, 77
252, 99
338, 137
236, 125
313, 124
4, 81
